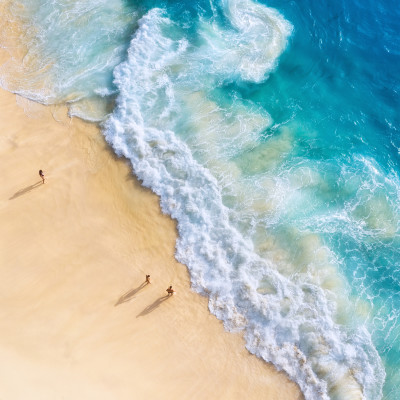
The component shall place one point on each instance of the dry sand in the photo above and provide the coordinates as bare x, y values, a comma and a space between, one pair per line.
76, 321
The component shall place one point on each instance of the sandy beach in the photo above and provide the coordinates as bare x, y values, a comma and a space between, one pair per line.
76, 319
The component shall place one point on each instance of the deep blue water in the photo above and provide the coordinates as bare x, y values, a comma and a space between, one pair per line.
270, 130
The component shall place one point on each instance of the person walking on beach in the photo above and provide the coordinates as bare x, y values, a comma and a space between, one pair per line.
41, 174
170, 291
148, 279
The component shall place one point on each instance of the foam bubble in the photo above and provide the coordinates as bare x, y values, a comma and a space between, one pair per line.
252, 48
289, 315
63, 55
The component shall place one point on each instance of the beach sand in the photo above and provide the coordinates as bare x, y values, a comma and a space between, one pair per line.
76, 321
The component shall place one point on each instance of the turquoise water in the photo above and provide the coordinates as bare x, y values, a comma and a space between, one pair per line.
270, 132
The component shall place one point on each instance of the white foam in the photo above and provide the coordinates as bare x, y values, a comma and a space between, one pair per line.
70, 49
289, 321
251, 49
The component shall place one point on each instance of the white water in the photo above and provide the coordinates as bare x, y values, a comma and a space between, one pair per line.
166, 94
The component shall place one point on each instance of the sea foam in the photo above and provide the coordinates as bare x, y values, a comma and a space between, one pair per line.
166, 103
64, 57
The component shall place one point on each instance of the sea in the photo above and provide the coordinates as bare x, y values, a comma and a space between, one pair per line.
270, 130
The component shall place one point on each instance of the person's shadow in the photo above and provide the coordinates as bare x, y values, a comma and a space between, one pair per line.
128, 295
25, 190
153, 306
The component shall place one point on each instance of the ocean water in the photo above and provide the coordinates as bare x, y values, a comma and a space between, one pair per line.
270, 131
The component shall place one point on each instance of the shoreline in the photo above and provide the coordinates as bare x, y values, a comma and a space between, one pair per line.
76, 320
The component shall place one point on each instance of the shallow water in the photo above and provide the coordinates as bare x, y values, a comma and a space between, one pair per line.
270, 132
